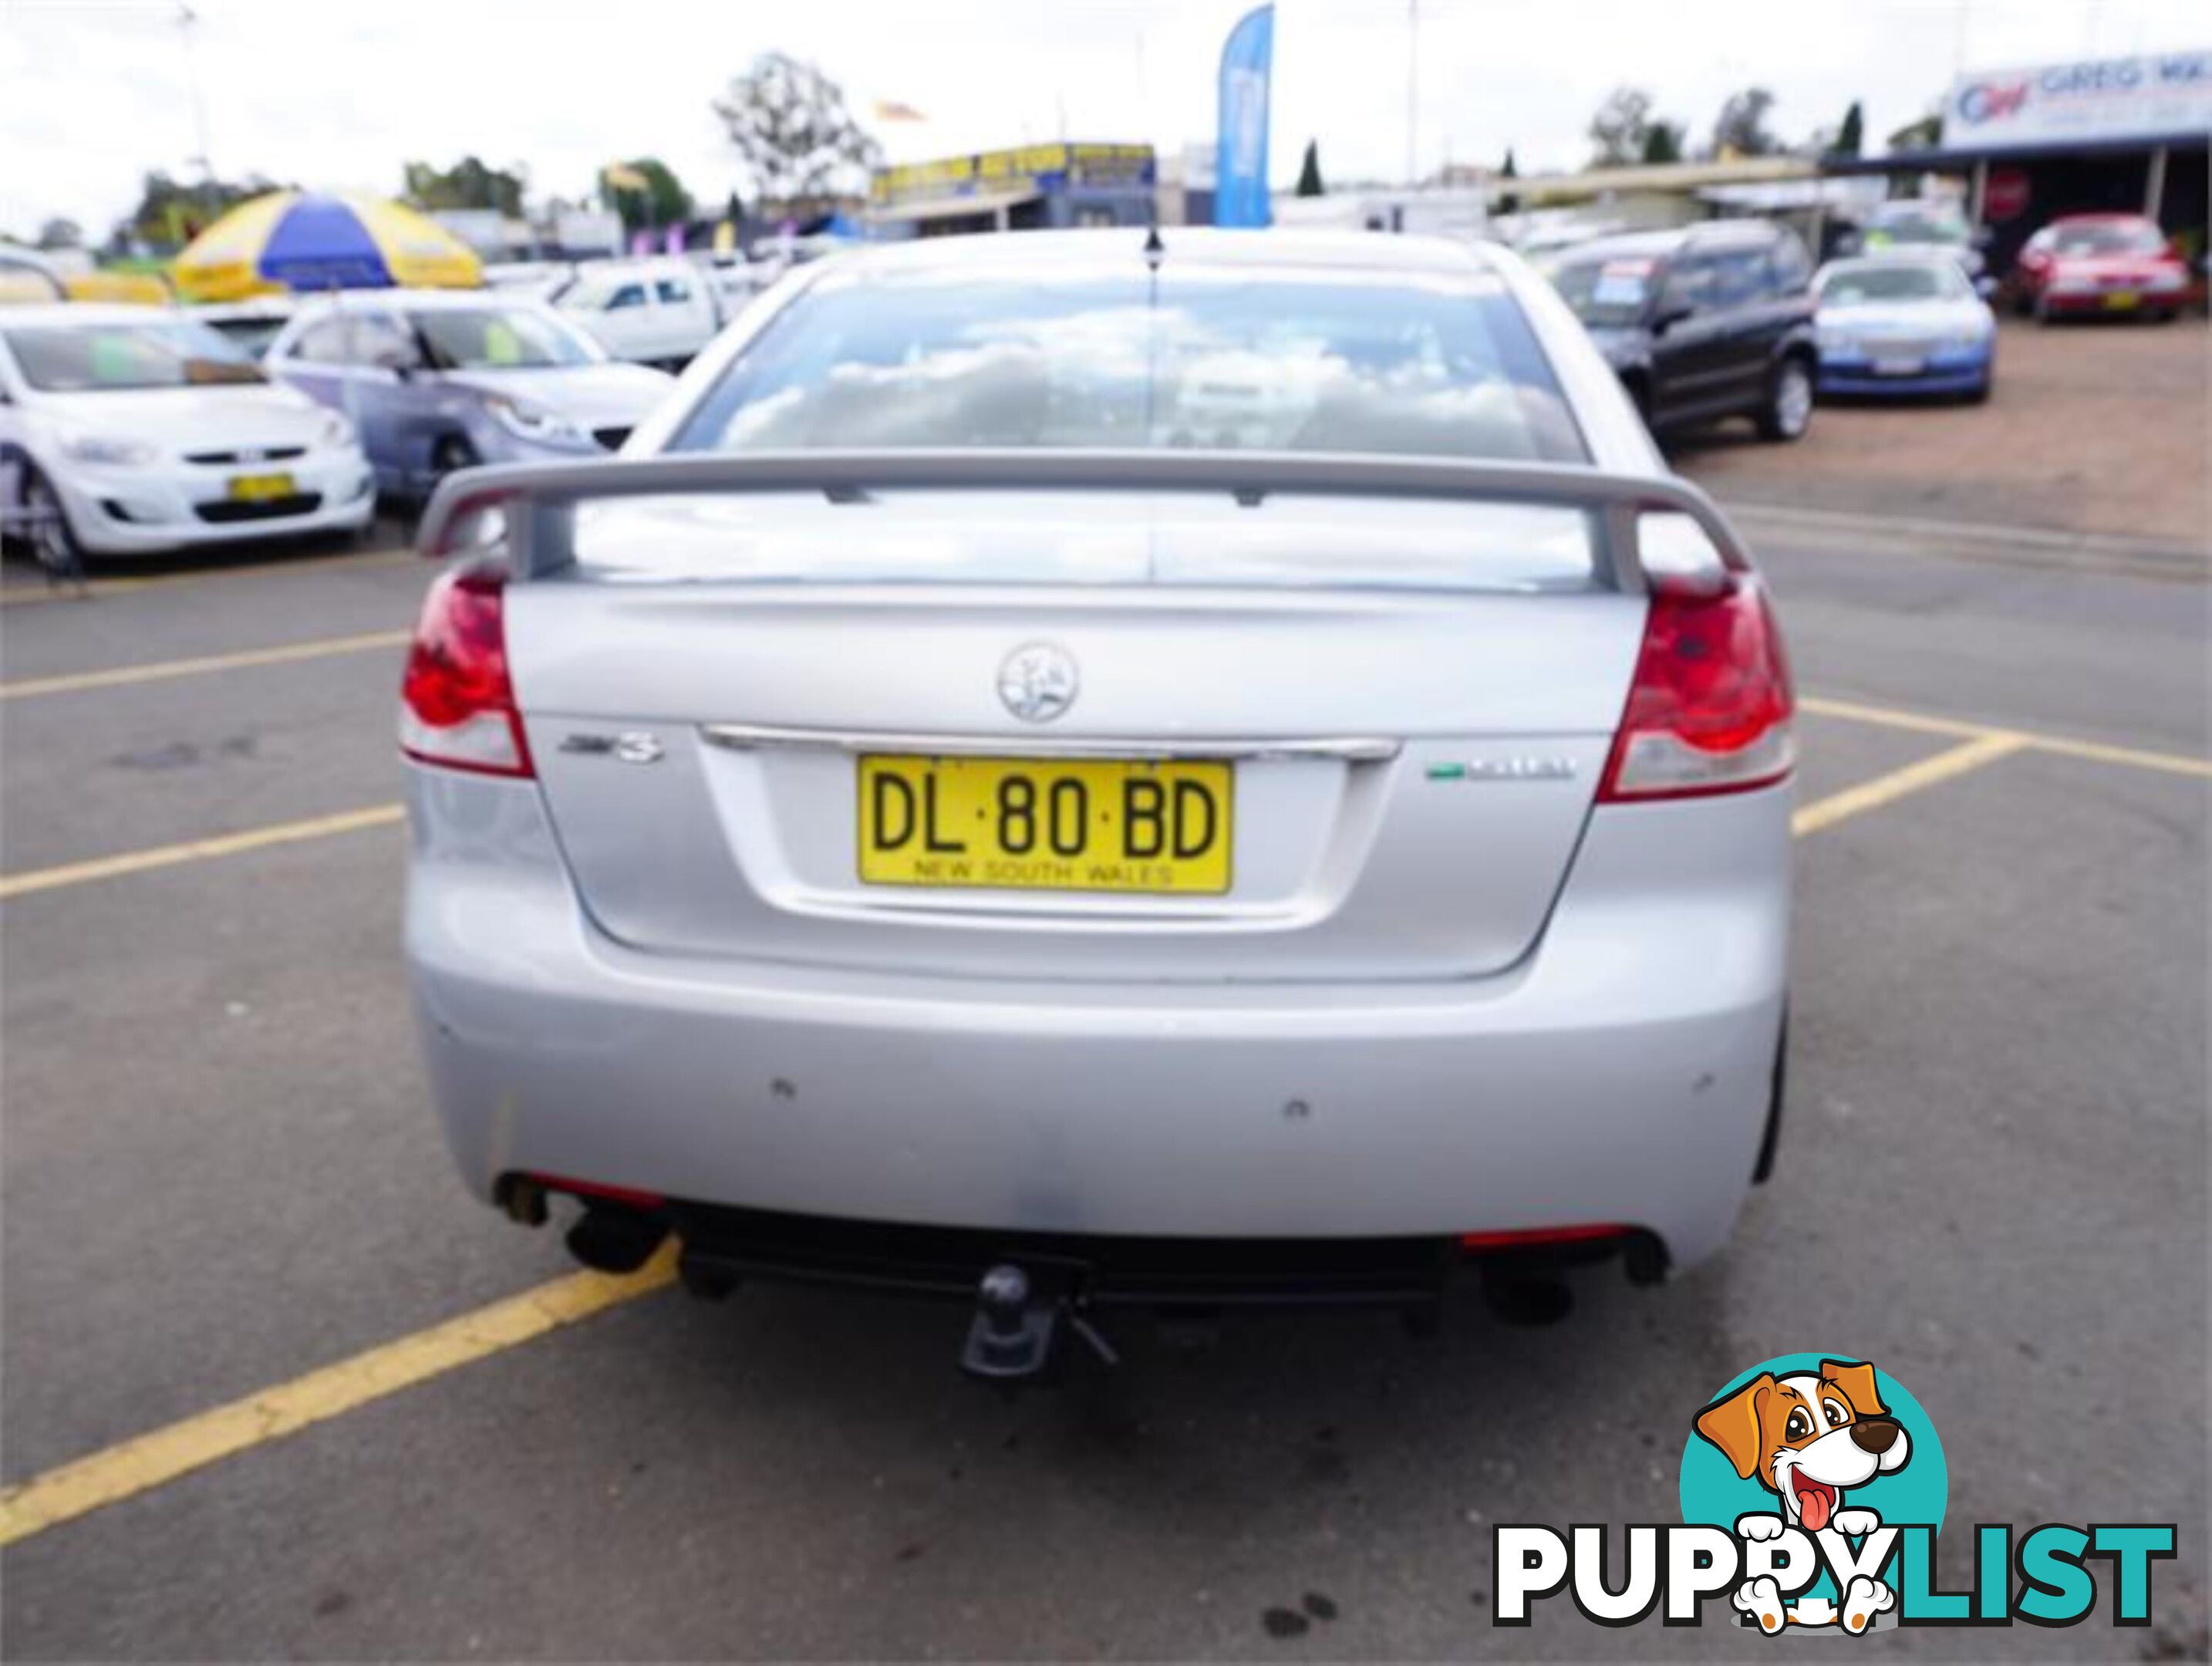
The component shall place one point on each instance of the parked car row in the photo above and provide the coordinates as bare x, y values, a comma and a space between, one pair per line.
1903, 325
657, 310
443, 379
1703, 322
2101, 263
143, 428
653, 312
131, 429
1914, 228
1729, 319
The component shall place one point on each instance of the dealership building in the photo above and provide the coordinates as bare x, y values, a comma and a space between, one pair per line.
2116, 135
1031, 187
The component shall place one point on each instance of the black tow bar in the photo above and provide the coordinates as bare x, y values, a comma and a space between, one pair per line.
1016, 1327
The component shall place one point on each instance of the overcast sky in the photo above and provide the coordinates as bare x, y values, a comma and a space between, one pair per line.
338, 92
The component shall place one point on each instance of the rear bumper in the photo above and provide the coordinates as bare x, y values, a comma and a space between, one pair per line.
722, 1246
2084, 302
1619, 1074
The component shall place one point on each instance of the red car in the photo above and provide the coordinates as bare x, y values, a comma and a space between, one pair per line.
2101, 263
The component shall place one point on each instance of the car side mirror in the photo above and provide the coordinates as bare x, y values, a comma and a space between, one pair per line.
1668, 315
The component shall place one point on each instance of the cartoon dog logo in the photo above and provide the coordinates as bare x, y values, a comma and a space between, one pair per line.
1806, 1438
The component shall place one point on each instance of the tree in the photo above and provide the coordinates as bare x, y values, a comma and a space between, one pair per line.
1851, 137
1662, 142
469, 184
645, 192
788, 123
171, 213
61, 234
1741, 129
1923, 135
1618, 128
1309, 183
1509, 202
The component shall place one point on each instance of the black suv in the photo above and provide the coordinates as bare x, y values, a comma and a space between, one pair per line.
1702, 322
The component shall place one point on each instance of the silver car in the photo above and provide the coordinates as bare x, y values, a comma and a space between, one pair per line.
1072, 769
437, 380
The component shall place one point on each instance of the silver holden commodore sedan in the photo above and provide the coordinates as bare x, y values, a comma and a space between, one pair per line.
1082, 769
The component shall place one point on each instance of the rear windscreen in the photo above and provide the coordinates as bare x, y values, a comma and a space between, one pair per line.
1221, 358
1168, 536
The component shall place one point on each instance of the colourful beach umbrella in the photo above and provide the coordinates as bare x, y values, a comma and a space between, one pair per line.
307, 243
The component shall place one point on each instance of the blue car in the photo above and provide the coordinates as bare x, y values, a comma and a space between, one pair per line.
437, 380
1903, 325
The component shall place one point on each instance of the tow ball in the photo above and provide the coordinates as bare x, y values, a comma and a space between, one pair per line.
1017, 1326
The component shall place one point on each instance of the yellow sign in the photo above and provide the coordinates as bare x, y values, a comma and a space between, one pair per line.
1039, 165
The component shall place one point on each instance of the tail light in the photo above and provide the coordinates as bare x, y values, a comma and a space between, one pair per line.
457, 701
1709, 709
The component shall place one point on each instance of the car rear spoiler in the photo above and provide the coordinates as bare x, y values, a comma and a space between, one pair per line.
537, 500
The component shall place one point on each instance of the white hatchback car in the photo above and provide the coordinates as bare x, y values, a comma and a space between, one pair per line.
929, 817
131, 430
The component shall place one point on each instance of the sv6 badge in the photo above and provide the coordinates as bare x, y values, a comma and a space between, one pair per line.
631, 746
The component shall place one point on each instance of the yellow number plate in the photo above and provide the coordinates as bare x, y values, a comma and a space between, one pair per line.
2121, 301
1035, 823
259, 488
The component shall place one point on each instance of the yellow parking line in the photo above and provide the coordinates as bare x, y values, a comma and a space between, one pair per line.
2097, 752
196, 850
1888, 789
1987, 745
1851, 711
162, 670
117, 1472
2063, 746
28, 594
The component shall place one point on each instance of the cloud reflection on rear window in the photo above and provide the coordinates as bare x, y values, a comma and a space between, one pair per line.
1230, 360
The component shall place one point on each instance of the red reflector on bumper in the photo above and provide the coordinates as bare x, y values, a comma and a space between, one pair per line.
1536, 1237
591, 1189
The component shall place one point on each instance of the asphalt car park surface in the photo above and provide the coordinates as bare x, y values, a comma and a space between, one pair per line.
223, 1183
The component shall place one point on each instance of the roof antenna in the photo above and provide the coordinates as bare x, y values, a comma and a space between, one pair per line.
1155, 252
